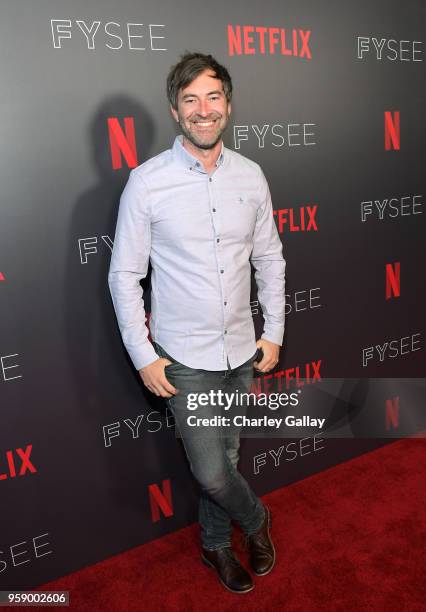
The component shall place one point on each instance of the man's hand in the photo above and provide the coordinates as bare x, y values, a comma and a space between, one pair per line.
155, 379
271, 354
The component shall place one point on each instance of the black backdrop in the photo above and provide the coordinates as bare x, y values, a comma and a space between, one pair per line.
85, 452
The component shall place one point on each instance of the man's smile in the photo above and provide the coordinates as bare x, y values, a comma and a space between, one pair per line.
204, 124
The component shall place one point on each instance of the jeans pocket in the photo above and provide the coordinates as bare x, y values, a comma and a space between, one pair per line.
162, 353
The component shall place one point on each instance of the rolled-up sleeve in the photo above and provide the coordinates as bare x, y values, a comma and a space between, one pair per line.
268, 261
129, 264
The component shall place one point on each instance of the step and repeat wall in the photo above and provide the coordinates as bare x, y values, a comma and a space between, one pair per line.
329, 99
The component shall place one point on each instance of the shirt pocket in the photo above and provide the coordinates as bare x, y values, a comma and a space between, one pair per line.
239, 213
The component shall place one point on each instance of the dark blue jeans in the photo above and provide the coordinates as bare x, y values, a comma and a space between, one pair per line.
213, 452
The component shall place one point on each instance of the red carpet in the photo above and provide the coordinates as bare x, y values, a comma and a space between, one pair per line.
352, 537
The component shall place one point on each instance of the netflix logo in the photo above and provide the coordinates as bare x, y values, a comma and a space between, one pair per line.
122, 143
392, 413
18, 463
392, 131
160, 500
2, 278
298, 376
260, 40
393, 280
302, 219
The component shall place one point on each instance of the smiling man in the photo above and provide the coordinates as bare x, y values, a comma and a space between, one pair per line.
201, 213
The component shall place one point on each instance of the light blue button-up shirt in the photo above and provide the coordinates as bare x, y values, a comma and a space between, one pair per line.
201, 232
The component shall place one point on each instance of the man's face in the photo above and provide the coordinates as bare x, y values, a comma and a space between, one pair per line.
203, 110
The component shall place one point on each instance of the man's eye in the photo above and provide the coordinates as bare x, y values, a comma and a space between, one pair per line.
189, 100
214, 97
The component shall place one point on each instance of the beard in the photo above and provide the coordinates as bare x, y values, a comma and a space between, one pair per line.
211, 137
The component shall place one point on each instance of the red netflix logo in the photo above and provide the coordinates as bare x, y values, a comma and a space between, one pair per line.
300, 219
393, 280
2, 278
392, 131
392, 413
24, 458
122, 144
299, 376
251, 40
160, 500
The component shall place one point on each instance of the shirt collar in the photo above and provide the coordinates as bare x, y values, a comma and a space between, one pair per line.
189, 160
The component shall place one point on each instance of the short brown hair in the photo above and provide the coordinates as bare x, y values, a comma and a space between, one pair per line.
188, 68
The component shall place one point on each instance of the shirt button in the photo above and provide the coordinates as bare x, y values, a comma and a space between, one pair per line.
226, 331
190, 168
217, 239
221, 271
210, 180
214, 209
225, 303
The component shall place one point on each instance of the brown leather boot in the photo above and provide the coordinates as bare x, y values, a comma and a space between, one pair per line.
231, 573
261, 549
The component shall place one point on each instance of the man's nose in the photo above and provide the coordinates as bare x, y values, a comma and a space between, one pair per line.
204, 108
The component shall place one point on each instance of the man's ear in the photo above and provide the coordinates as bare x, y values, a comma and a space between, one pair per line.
174, 113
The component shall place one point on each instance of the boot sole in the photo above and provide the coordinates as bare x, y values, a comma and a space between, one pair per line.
209, 564
273, 548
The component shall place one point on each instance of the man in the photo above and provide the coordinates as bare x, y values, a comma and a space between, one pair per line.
201, 212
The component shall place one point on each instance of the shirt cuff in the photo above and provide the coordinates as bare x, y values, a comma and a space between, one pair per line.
144, 356
275, 335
